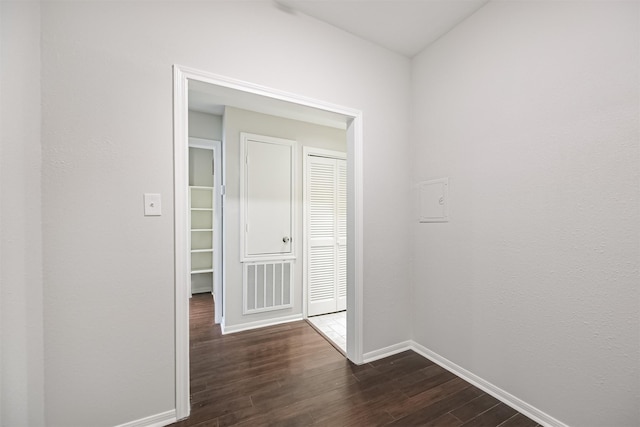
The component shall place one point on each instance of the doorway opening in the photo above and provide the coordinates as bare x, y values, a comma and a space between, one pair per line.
230, 92
205, 216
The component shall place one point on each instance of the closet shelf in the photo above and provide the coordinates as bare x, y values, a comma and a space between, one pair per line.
210, 270
201, 205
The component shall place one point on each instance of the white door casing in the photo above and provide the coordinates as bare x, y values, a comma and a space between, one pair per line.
267, 197
218, 230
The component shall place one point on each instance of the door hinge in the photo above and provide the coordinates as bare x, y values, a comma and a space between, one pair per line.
223, 190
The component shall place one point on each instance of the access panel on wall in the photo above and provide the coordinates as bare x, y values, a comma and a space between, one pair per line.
267, 197
326, 236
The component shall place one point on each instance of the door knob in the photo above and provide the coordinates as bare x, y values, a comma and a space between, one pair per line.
286, 239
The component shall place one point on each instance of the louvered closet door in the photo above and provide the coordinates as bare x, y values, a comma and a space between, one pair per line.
327, 235
321, 237
341, 205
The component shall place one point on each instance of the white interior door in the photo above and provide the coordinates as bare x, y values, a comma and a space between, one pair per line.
268, 197
326, 262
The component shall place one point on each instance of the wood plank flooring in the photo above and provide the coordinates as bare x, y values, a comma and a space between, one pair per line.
288, 375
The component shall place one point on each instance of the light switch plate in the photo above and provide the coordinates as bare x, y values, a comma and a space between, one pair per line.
152, 204
434, 200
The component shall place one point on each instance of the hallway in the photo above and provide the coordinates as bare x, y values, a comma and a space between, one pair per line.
289, 375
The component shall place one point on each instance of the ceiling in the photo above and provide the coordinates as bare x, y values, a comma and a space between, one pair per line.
403, 26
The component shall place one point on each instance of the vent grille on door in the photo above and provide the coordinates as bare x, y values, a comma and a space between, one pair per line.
267, 286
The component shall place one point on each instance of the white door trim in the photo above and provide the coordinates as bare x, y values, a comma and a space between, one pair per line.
181, 249
218, 215
355, 244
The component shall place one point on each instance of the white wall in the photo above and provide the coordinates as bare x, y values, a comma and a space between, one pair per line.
306, 134
531, 109
21, 340
206, 126
107, 139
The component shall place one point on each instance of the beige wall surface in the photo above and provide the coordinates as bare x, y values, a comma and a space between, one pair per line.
205, 126
200, 167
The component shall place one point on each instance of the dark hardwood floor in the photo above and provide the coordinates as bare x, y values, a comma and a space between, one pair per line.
288, 375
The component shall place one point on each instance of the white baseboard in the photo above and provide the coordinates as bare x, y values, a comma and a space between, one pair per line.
201, 290
259, 324
507, 398
157, 420
387, 351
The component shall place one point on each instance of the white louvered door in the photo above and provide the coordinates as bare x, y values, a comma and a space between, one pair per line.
341, 215
326, 235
